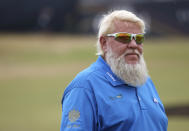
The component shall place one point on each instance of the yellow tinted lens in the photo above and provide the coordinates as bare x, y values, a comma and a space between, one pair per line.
123, 37
139, 38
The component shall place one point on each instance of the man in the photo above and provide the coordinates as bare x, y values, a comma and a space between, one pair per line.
115, 93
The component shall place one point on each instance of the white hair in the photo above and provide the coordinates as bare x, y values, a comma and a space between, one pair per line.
106, 24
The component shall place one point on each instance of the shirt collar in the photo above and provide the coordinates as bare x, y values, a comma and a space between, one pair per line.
110, 76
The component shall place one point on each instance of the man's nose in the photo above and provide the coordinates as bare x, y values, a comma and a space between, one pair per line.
132, 44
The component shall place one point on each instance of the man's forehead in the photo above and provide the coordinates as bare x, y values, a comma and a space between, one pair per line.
127, 26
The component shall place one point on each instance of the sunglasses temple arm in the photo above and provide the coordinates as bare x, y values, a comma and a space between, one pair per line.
111, 35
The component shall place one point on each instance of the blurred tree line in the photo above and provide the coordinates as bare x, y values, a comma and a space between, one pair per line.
82, 16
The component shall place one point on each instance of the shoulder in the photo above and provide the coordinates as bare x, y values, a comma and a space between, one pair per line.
83, 79
149, 81
151, 86
80, 86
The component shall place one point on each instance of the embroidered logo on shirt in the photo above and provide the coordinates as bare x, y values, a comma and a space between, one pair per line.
116, 97
73, 126
155, 100
74, 115
119, 96
110, 76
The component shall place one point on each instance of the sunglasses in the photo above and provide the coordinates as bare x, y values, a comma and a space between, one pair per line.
127, 37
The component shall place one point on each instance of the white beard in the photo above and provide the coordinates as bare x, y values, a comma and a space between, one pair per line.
133, 74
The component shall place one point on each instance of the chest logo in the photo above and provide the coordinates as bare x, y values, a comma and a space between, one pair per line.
116, 97
74, 115
155, 100
110, 75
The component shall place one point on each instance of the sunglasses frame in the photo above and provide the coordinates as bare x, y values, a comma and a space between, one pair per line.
132, 35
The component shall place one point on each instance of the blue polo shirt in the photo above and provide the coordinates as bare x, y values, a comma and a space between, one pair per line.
97, 100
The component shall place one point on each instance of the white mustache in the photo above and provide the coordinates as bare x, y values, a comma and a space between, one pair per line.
132, 51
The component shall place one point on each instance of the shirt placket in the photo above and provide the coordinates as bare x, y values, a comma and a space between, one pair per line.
140, 100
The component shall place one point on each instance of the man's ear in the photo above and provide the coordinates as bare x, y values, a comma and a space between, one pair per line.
103, 43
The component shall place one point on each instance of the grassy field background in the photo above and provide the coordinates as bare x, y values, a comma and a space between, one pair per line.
35, 69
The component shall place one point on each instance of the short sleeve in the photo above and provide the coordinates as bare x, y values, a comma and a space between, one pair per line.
78, 111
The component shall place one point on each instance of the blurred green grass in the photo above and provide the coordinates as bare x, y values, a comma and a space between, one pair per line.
35, 69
